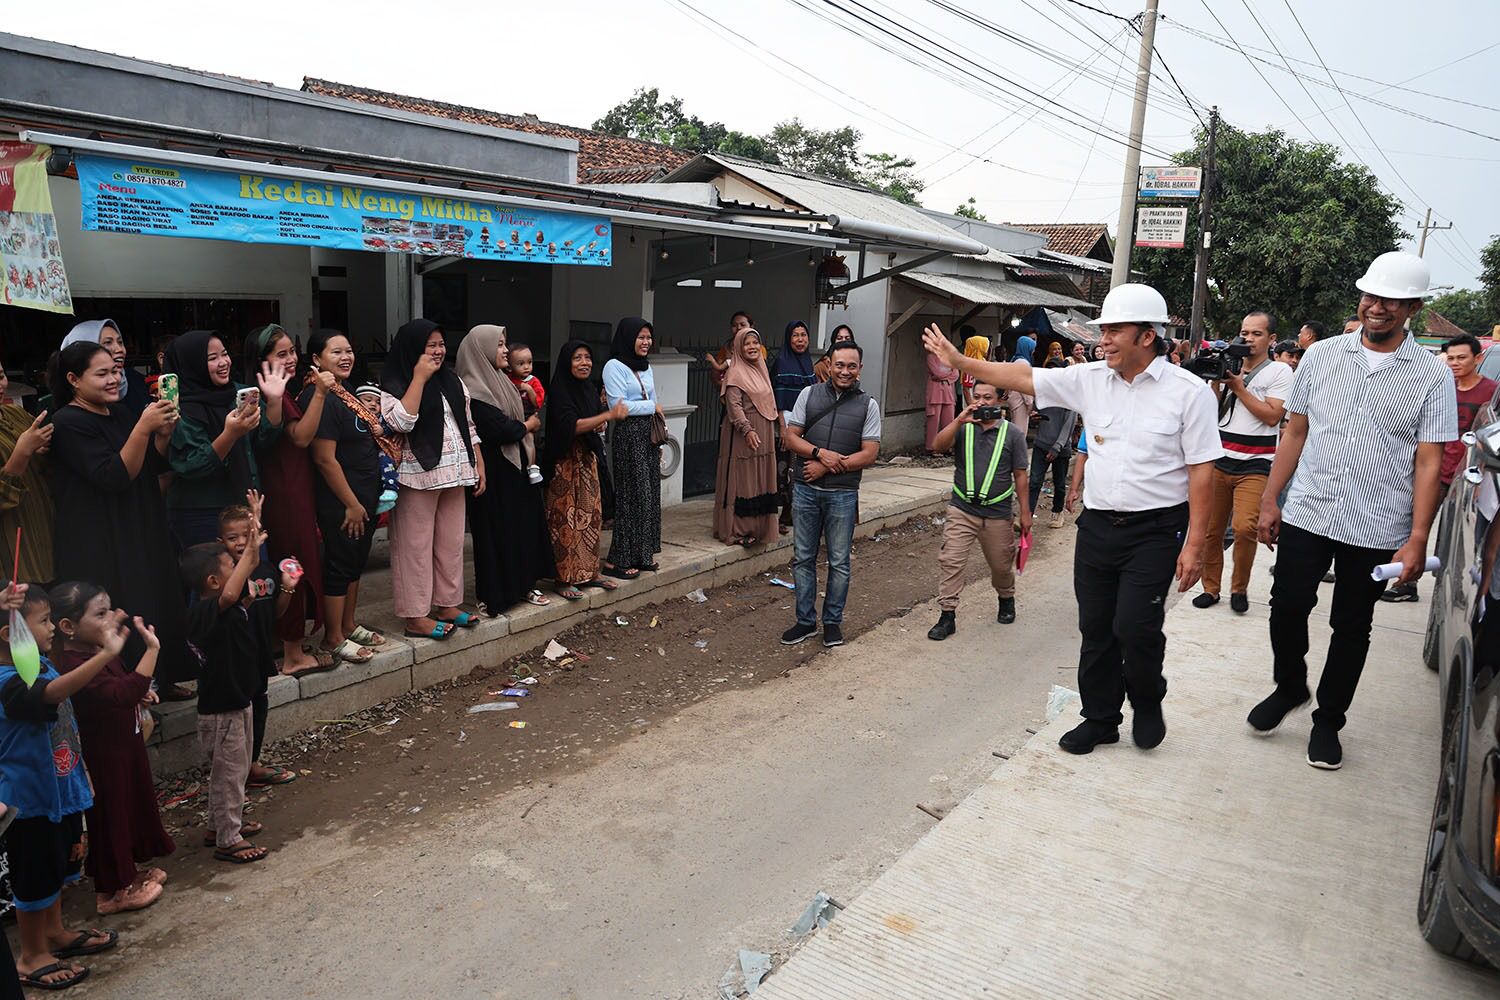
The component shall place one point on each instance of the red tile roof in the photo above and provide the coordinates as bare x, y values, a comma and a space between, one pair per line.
597, 151
1077, 238
1439, 325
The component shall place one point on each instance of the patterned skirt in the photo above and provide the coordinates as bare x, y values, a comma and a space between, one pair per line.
574, 515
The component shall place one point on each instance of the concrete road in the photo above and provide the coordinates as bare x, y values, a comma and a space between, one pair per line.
642, 874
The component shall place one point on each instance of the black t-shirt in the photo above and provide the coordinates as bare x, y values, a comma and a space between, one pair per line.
259, 602
354, 447
233, 646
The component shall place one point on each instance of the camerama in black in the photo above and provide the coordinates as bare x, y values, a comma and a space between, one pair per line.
1218, 360
984, 414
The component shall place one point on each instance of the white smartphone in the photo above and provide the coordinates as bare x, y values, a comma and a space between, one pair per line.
248, 396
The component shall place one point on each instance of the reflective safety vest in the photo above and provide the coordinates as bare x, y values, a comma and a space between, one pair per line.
982, 498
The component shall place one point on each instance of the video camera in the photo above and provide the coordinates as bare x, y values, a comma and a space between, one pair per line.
984, 414
1218, 359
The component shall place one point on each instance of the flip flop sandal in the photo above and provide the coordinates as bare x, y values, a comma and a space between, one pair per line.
155, 875
78, 948
598, 584
463, 620
651, 568
139, 898
235, 855
350, 651
321, 667
246, 830
440, 632
34, 978
367, 637
570, 593
620, 574
537, 598
278, 776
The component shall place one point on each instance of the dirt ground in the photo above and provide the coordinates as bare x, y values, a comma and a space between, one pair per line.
410, 761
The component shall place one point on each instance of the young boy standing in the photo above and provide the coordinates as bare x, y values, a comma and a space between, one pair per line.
42, 777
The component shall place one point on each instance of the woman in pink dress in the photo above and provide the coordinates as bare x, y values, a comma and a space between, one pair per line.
940, 379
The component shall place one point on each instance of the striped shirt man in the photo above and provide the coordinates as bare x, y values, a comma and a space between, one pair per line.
1249, 443
1366, 412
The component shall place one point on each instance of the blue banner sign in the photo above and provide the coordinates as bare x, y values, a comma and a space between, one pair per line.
159, 199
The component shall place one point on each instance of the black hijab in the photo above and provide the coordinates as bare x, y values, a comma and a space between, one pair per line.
426, 438
205, 403
569, 400
788, 361
622, 348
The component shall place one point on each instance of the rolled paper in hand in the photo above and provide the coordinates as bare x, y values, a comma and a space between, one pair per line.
1391, 571
292, 568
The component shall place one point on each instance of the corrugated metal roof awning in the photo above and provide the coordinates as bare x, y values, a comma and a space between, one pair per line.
993, 291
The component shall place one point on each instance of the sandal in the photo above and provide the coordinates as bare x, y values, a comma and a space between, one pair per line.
440, 632
366, 637
249, 829
326, 662
620, 574
462, 620
651, 568
80, 947
350, 651
539, 599
36, 978
570, 593
278, 776
242, 853
153, 875
598, 584
137, 898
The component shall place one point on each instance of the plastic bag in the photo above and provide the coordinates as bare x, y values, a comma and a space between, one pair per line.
23, 651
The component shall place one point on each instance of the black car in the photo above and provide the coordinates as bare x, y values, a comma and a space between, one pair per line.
1458, 909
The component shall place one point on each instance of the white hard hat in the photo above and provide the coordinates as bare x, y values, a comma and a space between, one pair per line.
1132, 303
1396, 275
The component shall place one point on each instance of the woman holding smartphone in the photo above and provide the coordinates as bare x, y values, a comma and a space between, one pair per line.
221, 425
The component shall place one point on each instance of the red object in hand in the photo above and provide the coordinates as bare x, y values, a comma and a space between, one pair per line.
1023, 549
292, 568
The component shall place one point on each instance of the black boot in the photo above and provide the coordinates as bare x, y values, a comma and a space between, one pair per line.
1007, 611
945, 627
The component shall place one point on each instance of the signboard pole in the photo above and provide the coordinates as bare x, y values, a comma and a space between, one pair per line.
1205, 231
1125, 231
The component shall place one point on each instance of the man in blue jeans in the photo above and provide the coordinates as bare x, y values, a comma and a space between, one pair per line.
833, 433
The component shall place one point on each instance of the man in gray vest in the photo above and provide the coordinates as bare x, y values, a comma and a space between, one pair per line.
989, 476
833, 433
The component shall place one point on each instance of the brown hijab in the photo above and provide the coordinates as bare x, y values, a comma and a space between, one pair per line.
751, 377
476, 366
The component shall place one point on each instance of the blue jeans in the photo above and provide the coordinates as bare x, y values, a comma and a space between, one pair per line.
829, 515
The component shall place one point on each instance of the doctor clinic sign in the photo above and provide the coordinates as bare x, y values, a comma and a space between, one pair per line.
156, 199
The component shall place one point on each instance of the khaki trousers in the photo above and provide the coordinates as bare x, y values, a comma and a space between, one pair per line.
1237, 495
997, 539
226, 738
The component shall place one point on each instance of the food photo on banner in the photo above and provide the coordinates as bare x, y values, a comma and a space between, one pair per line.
158, 199
31, 266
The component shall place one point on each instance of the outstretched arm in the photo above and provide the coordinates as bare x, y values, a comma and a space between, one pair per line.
1005, 376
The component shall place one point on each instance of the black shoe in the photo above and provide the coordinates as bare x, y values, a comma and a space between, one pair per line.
1147, 726
1239, 603
1324, 750
833, 635
1403, 593
1268, 716
797, 633
1087, 735
1007, 611
944, 628
1205, 600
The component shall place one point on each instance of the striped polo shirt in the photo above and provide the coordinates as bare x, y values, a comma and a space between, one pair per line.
1249, 444
1353, 482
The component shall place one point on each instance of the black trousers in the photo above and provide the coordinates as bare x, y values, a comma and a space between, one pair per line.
1059, 466
1301, 560
1122, 567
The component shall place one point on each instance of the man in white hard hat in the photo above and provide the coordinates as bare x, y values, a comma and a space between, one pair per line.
1152, 441
1369, 415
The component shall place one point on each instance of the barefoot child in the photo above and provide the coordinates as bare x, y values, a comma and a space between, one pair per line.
263, 603
42, 776
231, 671
124, 824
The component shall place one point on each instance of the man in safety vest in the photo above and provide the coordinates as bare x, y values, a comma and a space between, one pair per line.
989, 475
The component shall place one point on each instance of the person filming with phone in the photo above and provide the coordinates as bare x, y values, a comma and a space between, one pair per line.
1153, 439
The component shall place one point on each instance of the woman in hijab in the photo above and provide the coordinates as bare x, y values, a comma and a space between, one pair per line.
25, 498
440, 458
978, 348
1098, 352
940, 397
511, 552
572, 454
636, 462
824, 368
745, 485
1055, 357
791, 372
134, 392
213, 448
1025, 348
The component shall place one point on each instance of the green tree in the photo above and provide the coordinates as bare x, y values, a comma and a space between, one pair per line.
1463, 307
896, 176
970, 210
833, 153
1293, 229
1489, 276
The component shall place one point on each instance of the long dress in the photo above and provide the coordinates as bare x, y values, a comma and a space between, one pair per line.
574, 515
940, 379
507, 521
25, 504
745, 481
124, 823
291, 522
637, 477
113, 530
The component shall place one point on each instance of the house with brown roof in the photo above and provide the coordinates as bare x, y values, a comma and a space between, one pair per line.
1080, 239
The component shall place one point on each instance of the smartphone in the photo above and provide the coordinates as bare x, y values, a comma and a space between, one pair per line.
248, 396
166, 387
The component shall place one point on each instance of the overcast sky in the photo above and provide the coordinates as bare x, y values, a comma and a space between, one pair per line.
767, 60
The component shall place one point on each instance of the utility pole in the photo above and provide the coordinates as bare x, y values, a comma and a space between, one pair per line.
1125, 231
1205, 228
1428, 227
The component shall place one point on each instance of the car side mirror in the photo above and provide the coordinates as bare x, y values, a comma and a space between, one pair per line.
1488, 439
1468, 439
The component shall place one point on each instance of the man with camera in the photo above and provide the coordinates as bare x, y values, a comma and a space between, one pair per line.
1252, 399
1370, 413
1152, 444
989, 475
